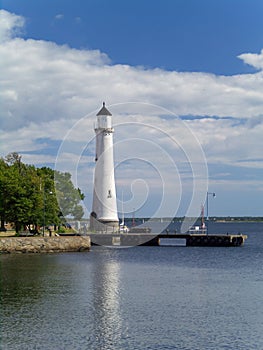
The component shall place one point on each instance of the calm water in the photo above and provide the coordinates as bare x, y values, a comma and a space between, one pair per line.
136, 298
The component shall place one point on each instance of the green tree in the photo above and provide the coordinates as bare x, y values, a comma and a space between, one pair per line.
4, 184
22, 194
50, 211
68, 196
29, 195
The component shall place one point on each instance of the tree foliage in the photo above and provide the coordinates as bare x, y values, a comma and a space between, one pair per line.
36, 196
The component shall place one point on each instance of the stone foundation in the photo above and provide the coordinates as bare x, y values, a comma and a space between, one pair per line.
44, 244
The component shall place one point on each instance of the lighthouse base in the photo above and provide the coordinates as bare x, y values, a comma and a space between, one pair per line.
103, 226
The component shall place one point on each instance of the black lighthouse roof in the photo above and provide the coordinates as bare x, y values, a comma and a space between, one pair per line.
104, 110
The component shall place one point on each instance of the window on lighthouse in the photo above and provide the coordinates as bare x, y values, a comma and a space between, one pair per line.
109, 194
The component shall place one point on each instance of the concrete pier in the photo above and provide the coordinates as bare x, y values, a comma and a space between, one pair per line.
83, 243
203, 240
187, 240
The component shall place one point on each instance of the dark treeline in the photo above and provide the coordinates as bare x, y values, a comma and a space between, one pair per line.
33, 197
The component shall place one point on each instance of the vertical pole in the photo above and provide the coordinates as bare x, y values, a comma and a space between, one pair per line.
133, 219
207, 218
44, 212
207, 214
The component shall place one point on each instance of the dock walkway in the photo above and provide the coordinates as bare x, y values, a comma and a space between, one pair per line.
188, 240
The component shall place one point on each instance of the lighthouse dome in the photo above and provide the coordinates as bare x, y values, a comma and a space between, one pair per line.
104, 118
104, 111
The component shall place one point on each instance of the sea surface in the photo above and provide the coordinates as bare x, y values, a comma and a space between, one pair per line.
138, 298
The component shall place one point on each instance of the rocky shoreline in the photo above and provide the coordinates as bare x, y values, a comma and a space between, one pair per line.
44, 244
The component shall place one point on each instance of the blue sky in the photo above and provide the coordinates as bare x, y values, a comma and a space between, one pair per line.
183, 35
199, 60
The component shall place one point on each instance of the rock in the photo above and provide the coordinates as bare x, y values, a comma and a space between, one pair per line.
44, 244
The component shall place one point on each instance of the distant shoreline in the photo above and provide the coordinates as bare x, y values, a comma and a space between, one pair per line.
211, 219
236, 221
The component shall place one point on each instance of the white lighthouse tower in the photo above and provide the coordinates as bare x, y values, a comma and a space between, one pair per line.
104, 215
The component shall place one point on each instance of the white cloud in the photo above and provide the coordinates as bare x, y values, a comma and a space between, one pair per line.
50, 81
59, 16
78, 20
10, 25
253, 59
229, 141
45, 89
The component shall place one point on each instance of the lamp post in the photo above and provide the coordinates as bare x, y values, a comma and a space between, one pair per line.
44, 210
207, 194
133, 218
